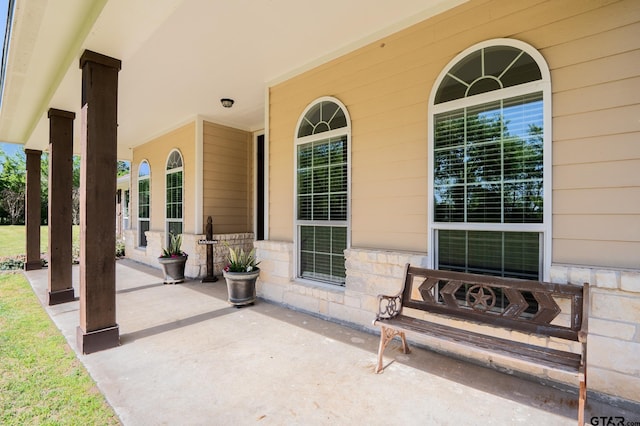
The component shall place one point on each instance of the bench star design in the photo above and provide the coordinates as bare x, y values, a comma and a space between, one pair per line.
530, 307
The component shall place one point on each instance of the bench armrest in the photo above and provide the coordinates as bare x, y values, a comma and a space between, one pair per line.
584, 329
391, 306
388, 306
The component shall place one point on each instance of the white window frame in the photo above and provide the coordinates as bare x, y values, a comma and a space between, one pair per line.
543, 85
147, 219
167, 172
298, 223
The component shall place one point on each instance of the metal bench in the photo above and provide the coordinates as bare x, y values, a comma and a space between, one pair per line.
530, 307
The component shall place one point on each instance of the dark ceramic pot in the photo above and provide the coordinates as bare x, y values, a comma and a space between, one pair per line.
241, 286
173, 268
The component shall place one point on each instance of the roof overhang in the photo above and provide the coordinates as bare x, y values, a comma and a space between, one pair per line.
179, 57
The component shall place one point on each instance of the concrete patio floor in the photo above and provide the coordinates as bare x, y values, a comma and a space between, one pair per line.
188, 358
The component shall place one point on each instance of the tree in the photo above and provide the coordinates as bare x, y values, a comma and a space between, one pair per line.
44, 188
485, 173
75, 191
13, 205
12, 187
123, 168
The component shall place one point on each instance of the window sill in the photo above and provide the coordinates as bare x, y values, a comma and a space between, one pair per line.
319, 285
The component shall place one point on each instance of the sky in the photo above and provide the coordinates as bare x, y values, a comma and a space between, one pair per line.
10, 148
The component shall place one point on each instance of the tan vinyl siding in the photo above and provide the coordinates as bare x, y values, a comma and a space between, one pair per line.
613, 94
593, 52
596, 252
610, 121
609, 201
281, 192
156, 152
601, 174
606, 69
596, 155
227, 178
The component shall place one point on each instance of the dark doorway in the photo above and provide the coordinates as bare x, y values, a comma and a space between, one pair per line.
260, 178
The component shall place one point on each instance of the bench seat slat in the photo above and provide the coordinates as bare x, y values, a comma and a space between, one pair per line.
487, 318
552, 358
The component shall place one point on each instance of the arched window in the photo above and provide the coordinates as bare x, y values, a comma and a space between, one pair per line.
174, 194
144, 201
322, 191
489, 167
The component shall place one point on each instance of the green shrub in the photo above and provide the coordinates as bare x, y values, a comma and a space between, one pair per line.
12, 263
16, 263
119, 249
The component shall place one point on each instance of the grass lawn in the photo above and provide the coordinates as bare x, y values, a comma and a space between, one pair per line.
41, 380
13, 239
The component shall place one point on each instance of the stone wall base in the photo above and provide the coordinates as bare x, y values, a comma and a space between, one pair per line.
196, 266
614, 317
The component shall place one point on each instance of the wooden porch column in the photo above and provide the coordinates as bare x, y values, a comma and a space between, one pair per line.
32, 210
60, 200
98, 329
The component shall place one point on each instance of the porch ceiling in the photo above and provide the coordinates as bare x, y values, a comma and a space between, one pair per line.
179, 57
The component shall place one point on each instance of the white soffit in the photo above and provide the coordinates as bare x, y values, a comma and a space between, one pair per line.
179, 57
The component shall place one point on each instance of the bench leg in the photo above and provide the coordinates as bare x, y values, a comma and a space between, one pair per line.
387, 335
405, 346
582, 400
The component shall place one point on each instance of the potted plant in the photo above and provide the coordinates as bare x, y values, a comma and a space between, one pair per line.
173, 260
241, 274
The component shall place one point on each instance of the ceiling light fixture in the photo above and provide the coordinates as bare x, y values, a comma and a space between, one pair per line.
226, 102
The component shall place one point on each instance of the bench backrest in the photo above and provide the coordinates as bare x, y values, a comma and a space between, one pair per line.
528, 306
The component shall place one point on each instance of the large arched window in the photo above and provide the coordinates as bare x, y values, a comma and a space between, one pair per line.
322, 191
174, 194
489, 165
144, 201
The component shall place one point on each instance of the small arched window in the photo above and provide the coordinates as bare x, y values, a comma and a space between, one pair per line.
322, 117
490, 135
174, 194
487, 69
144, 201
322, 191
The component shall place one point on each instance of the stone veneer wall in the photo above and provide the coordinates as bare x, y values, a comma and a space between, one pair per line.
369, 273
196, 266
614, 317
614, 327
